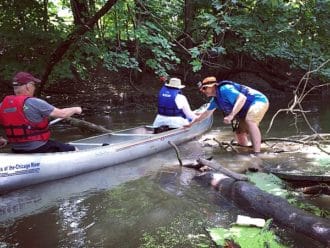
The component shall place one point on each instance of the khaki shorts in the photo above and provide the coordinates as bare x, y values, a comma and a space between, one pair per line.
255, 113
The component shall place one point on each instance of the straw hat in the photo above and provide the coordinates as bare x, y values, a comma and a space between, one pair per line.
175, 83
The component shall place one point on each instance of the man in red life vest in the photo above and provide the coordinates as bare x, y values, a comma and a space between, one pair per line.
25, 118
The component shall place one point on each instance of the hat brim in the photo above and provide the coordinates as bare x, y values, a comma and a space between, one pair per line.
178, 87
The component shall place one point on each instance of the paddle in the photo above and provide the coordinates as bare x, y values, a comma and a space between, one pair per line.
82, 124
55, 121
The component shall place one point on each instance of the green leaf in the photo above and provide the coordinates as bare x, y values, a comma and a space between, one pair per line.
245, 236
196, 64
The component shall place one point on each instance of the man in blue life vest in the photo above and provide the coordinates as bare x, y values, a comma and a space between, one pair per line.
238, 102
173, 108
25, 118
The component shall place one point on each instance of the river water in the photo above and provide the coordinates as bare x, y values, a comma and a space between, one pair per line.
149, 202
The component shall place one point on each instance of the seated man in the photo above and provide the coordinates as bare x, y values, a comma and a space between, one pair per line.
173, 107
25, 118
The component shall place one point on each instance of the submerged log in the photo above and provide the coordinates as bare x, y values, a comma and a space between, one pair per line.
316, 190
85, 125
253, 200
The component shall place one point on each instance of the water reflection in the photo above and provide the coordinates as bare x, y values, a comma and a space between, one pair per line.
38, 198
71, 216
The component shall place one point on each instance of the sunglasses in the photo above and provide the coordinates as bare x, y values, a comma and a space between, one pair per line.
203, 87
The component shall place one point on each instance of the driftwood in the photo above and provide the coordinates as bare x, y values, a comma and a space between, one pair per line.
306, 183
176, 151
315, 190
86, 125
250, 198
226, 145
319, 140
223, 170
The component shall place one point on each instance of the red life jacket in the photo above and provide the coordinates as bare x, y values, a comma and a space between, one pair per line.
17, 127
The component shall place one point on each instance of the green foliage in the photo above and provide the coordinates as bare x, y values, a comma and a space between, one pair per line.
292, 199
115, 60
268, 183
197, 54
292, 30
175, 234
273, 185
324, 162
245, 236
27, 35
162, 58
151, 34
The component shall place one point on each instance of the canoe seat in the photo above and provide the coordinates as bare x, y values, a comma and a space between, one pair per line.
88, 144
162, 128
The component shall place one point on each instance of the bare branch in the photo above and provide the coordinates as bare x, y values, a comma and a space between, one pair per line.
298, 97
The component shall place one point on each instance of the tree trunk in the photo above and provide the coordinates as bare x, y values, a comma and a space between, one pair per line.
45, 16
80, 11
253, 200
189, 13
57, 55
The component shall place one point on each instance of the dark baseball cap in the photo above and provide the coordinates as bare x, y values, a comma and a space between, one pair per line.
22, 78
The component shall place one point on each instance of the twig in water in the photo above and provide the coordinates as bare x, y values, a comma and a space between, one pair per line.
225, 145
176, 151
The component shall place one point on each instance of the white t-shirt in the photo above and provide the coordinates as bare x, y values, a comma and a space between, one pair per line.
176, 121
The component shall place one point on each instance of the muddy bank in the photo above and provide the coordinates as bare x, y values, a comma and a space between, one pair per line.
104, 92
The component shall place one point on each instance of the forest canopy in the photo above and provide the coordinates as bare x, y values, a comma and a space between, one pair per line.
161, 36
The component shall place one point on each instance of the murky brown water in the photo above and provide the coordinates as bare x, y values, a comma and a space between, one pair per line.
143, 203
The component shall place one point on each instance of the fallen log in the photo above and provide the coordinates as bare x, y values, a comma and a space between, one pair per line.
315, 190
264, 205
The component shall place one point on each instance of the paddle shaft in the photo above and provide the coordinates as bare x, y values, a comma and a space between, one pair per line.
55, 121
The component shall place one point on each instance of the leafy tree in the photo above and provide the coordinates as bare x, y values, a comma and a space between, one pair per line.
162, 36
292, 30
28, 30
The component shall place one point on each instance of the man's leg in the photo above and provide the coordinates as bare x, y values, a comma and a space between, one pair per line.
255, 135
242, 139
241, 134
252, 120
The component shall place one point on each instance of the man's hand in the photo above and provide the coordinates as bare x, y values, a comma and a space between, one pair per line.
188, 125
3, 142
78, 110
228, 119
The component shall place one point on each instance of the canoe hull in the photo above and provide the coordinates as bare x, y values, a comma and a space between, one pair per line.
19, 170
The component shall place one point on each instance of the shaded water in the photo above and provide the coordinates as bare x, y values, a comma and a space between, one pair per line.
149, 202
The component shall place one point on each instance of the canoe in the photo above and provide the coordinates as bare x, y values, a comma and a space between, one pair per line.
20, 170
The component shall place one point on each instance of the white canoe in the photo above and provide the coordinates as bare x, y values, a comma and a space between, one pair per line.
20, 170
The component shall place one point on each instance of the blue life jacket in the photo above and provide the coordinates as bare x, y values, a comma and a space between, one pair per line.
166, 102
227, 107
